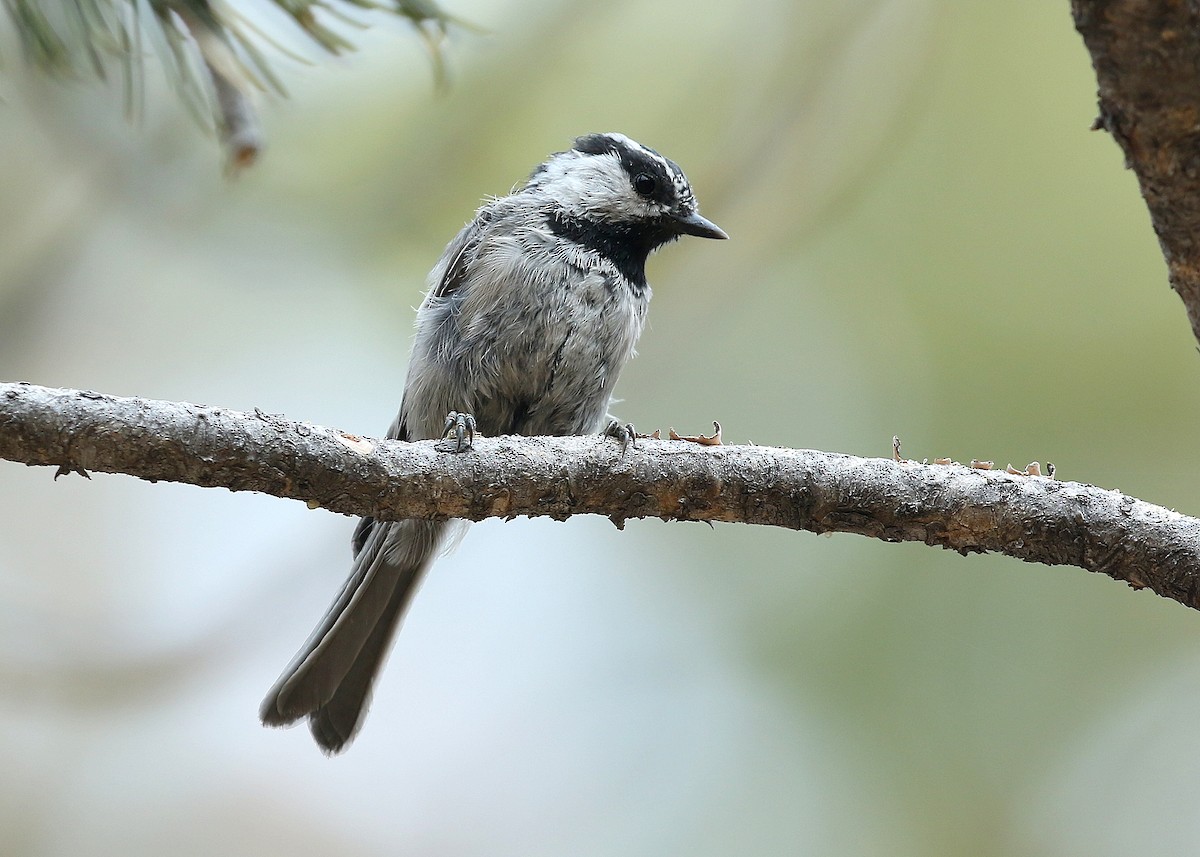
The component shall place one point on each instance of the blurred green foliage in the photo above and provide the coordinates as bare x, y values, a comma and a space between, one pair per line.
210, 53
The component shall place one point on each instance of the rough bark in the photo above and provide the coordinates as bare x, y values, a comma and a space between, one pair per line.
1033, 518
1146, 54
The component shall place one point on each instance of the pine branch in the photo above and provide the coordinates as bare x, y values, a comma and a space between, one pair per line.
209, 52
1031, 518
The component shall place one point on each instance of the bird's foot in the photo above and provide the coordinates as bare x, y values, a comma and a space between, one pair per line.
623, 432
462, 428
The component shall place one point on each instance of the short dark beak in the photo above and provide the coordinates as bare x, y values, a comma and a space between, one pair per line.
696, 225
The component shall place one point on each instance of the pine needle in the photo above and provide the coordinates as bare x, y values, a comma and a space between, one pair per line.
209, 52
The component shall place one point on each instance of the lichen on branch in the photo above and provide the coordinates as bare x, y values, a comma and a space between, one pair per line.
1032, 518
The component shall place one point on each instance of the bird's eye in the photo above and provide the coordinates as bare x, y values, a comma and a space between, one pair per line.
644, 184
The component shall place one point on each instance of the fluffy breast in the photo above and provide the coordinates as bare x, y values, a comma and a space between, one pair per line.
533, 340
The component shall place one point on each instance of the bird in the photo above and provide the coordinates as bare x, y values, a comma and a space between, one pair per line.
531, 313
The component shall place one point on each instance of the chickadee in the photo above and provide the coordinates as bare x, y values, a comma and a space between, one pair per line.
532, 311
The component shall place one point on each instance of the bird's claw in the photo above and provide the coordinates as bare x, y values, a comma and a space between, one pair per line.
624, 432
462, 427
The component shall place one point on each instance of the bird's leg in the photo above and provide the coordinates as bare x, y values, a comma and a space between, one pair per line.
624, 432
463, 427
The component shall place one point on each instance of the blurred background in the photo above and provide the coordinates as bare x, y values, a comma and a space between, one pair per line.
926, 241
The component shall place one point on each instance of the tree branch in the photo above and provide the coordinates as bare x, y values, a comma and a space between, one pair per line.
1146, 54
1032, 518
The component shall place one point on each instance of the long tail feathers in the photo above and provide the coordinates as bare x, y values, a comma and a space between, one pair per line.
330, 679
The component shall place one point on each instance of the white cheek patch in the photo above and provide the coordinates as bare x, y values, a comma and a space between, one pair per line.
596, 187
